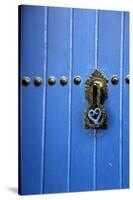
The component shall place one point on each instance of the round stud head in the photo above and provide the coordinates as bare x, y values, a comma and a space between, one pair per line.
38, 81
26, 81
127, 79
52, 80
77, 80
63, 80
115, 79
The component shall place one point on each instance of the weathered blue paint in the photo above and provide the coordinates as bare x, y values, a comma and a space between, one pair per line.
56, 152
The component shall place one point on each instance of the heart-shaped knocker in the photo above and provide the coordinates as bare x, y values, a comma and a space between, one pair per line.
94, 115
96, 93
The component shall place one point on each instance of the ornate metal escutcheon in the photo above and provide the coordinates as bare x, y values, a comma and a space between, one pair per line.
96, 91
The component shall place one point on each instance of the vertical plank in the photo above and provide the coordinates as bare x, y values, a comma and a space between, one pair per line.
125, 141
108, 141
95, 131
70, 101
57, 116
82, 141
121, 98
31, 104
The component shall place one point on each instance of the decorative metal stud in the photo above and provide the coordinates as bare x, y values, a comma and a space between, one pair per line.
127, 79
77, 80
38, 81
114, 79
52, 80
26, 81
63, 80
96, 91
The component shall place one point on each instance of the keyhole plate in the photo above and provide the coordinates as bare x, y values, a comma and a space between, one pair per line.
96, 91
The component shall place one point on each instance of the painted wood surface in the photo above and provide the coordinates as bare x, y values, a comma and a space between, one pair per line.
56, 152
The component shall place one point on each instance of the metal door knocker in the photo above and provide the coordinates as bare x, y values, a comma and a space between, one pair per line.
96, 90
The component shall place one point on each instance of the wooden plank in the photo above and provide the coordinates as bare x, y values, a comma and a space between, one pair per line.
125, 140
57, 108
31, 99
108, 174
82, 140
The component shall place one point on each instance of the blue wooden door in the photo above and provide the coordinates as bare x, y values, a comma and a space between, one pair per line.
56, 152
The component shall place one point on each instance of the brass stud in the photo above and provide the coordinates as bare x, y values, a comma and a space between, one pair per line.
115, 79
52, 80
26, 81
63, 80
127, 79
77, 80
38, 81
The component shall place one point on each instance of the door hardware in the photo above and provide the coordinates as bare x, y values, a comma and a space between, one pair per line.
63, 80
114, 79
26, 81
52, 80
96, 92
77, 80
127, 79
38, 81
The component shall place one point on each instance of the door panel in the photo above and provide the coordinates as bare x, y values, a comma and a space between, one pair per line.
56, 152
57, 98
82, 141
111, 57
108, 150
31, 98
125, 104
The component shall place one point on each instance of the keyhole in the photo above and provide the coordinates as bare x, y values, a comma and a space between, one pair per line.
95, 94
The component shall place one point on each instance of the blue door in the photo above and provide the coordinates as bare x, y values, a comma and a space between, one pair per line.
73, 100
